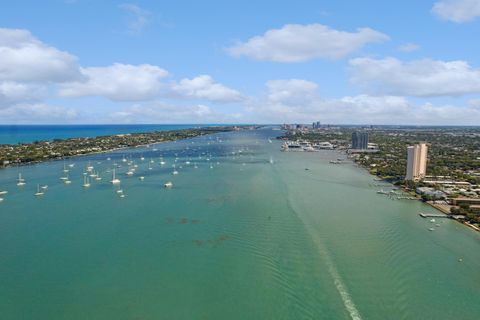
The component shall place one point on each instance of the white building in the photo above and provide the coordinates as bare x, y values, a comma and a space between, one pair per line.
416, 162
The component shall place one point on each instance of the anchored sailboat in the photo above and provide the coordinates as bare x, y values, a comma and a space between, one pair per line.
20, 180
114, 180
39, 193
86, 182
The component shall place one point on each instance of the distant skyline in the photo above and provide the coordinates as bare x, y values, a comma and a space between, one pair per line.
343, 62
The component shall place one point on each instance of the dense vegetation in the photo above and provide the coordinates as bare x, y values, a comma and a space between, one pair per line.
465, 210
453, 152
57, 149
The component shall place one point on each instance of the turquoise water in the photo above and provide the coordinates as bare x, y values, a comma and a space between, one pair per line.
13, 134
245, 239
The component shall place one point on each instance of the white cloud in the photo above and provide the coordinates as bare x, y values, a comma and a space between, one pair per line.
138, 17
121, 82
24, 58
431, 114
296, 100
167, 113
300, 102
297, 43
474, 103
409, 47
457, 10
204, 87
118, 82
292, 91
415, 78
15, 92
38, 113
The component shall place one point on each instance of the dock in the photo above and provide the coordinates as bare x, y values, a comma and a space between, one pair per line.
433, 215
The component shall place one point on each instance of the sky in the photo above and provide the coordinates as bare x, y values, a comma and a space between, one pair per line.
409, 62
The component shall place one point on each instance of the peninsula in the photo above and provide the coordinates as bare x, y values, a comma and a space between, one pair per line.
38, 151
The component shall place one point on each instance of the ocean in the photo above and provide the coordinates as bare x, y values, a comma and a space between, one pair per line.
246, 232
13, 134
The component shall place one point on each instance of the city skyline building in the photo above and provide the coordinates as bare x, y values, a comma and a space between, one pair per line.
416, 162
360, 140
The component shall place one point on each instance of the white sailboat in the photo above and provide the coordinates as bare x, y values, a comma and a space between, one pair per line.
86, 182
20, 180
120, 193
114, 180
174, 172
66, 181
169, 184
89, 167
39, 193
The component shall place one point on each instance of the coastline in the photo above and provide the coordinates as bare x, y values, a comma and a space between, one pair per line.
44, 151
387, 179
438, 207
85, 154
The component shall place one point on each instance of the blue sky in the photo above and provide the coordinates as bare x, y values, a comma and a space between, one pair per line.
359, 62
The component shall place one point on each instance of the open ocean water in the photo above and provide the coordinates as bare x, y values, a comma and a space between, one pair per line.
13, 134
248, 234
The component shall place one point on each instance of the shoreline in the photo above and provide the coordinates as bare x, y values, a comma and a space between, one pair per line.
445, 211
45, 151
83, 155
391, 180
433, 205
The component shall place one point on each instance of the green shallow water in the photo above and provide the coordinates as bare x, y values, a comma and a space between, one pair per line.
246, 239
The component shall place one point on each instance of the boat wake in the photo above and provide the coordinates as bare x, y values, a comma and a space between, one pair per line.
342, 290
332, 269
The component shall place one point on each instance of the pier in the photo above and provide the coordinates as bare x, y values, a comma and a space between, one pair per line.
433, 215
